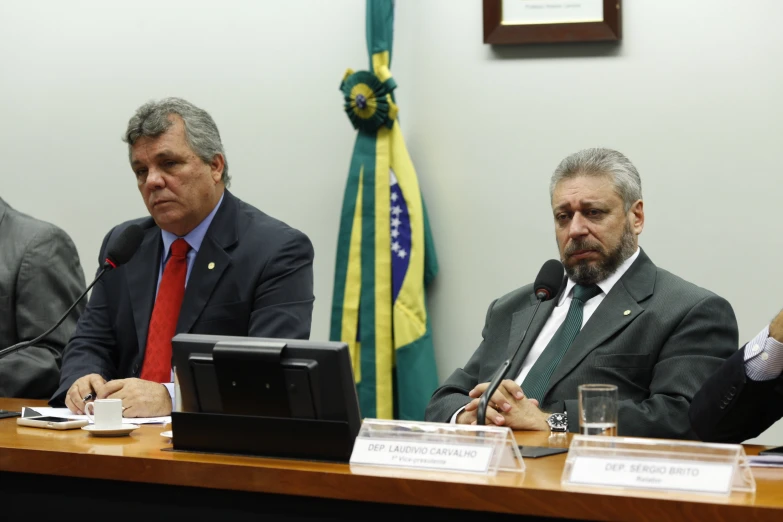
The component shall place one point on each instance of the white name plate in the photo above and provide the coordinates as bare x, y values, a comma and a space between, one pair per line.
470, 458
653, 474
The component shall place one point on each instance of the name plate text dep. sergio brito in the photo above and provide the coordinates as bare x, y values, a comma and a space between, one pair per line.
653, 474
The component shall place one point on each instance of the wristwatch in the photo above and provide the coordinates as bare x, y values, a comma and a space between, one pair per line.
558, 422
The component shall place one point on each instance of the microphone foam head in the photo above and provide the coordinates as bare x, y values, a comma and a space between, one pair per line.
122, 247
549, 280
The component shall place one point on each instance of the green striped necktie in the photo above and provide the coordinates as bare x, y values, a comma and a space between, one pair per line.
537, 379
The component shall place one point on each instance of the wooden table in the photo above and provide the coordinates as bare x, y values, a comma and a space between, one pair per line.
39, 466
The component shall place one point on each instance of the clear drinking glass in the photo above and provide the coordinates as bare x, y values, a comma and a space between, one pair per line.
598, 409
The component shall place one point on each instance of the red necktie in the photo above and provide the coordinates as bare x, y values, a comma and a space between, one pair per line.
163, 323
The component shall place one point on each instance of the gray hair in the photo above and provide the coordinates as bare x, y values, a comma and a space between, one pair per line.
601, 162
201, 133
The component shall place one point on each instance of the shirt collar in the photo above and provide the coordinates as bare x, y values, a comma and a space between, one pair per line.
607, 283
195, 237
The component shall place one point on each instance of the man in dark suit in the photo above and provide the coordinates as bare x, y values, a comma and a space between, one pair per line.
745, 396
618, 320
209, 264
40, 277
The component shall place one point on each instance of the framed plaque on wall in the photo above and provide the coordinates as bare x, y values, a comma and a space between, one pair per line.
510, 22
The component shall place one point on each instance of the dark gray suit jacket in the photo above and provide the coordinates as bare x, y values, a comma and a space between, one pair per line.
675, 336
261, 285
731, 407
40, 277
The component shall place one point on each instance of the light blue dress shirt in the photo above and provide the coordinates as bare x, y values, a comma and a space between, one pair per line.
194, 238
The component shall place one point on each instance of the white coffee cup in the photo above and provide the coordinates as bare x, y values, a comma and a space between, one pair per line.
107, 413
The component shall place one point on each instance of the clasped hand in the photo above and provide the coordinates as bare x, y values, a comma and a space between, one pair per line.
508, 406
140, 398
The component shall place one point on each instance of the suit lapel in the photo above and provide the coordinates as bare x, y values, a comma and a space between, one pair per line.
618, 309
210, 263
519, 321
3, 207
142, 276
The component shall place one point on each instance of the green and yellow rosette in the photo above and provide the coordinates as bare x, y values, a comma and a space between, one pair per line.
368, 100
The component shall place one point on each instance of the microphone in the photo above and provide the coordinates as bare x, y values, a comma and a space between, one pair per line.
546, 286
119, 252
122, 248
549, 280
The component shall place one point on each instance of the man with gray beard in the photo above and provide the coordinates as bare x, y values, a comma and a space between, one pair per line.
652, 334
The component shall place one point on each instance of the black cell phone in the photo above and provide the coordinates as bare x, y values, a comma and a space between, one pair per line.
5, 414
772, 451
533, 452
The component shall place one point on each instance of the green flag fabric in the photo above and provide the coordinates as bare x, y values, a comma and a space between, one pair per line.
385, 253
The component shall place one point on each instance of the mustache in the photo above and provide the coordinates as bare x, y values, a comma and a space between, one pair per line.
582, 244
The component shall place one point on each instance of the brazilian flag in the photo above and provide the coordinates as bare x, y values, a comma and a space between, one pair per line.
385, 255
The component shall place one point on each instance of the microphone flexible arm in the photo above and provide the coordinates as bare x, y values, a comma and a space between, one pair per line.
25, 344
494, 384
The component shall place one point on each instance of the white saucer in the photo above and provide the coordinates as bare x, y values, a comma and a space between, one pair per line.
111, 432
167, 434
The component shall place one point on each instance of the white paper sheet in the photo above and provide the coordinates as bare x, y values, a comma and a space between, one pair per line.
766, 461
65, 412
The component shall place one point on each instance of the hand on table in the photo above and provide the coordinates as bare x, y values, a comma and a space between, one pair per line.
90, 384
139, 398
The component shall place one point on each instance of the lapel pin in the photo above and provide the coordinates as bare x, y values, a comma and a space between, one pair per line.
212, 265
627, 312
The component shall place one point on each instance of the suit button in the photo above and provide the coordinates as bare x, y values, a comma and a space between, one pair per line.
723, 406
733, 390
136, 369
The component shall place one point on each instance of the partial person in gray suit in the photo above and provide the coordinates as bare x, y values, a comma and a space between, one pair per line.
652, 334
40, 277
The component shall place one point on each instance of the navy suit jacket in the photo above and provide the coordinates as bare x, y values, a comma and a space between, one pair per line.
261, 285
731, 407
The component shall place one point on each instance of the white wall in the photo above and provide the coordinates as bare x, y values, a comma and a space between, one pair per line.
691, 96
72, 74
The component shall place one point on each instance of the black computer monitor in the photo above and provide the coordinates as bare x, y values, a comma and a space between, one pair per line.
286, 383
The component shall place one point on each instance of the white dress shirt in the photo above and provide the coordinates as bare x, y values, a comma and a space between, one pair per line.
763, 357
558, 316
